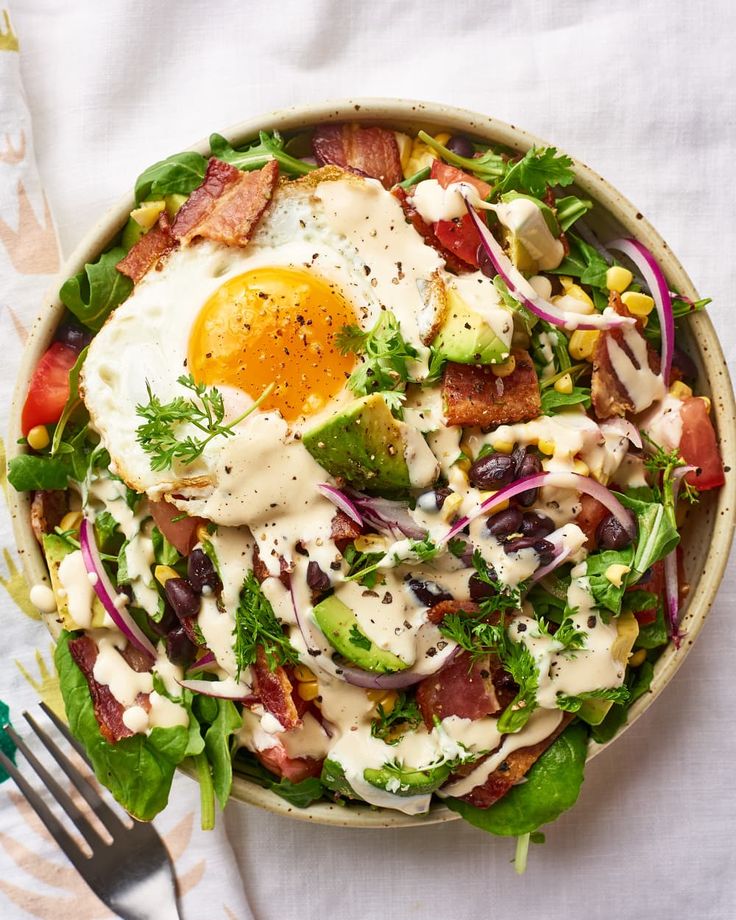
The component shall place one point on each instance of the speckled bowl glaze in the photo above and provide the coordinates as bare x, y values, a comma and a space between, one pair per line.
707, 534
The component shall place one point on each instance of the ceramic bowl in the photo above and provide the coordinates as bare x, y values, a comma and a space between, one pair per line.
708, 533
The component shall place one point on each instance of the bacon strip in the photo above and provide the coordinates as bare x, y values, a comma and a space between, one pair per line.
459, 689
452, 261
47, 510
475, 397
274, 691
438, 612
371, 152
227, 205
150, 249
108, 711
344, 530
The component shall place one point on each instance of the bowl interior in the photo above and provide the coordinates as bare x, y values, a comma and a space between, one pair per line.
707, 533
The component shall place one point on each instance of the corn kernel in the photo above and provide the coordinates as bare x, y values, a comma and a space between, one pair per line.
618, 278
707, 403
582, 344
566, 282
503, 447
637, 303
680, 390
304, 674
638, 657
564, 384
308, 690
163, 573
547, 447
581, 468
38, 437
451, 506
577, 293
615, 573
371, 543
70, 521
203, 535
580, 306
504, 369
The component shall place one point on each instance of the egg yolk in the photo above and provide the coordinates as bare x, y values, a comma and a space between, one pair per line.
274, 325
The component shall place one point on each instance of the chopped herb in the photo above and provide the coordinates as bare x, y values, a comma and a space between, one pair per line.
256, 625
390, 725
362, 566
539, 167
385, 355
457, 546
424, 550
357, 638
573, 703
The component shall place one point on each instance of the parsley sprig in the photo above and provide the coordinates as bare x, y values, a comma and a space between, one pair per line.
385, 355
204, 410
256, 624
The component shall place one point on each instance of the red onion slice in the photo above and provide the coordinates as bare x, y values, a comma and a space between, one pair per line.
214, 688
388, 516
671, 581
657, 284
560, 480
341, 500
623, 427
562, 554
106, 592
520, 288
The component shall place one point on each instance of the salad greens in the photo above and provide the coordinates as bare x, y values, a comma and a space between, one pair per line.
256, 626
385, 353
179, 174
94, 293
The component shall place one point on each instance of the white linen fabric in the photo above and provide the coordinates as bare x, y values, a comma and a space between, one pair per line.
644, 93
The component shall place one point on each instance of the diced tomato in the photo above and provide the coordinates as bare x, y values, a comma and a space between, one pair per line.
699, 446
49, 387
459, 237
295, 769
178, 528
446, 175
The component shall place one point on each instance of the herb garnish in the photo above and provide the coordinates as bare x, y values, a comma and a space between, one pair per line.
612, 694
390, 725
256, 625
385, 355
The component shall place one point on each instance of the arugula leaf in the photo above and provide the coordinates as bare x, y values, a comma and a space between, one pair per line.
105, 529
37, 471
584, 262
390, 725
73, 400
419, 176
539, 167
179, 174
551, 786
385, 355
269, 147
638, 683
94, 293
217, 747
553, 402
138, 770
256, 625
570, 209
658, 534
573, 703
607, 596
489, 166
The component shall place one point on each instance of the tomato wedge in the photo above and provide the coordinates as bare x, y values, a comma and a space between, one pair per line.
178, 528
699, 446
446, 175
460, 238
49, 387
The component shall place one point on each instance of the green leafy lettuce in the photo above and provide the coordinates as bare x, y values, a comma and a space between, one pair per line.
179, 174
92, 294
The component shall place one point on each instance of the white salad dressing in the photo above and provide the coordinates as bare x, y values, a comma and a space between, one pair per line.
79, 591
43, 598
663, 422
631, 367
526, 221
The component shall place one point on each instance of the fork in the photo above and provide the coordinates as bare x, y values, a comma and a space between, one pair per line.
132, 874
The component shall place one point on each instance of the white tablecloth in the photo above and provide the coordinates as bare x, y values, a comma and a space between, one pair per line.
644, 93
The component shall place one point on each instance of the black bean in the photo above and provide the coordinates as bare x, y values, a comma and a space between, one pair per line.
428, 593
461, 146
74, 336
182, 598
492, 472
479, 590
201, 572
544, 549
529, 465
536, 525
611, 534
318, 581
505, 522
179, 647
440, 495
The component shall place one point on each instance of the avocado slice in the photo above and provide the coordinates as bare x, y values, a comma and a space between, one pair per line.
340, 626
550, 218
518, 253
465, 337
55, 549
406, 780
594, 711
366, 445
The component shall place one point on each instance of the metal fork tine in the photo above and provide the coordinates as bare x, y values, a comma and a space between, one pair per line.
61, 796
49, 819
78, 747
103, 811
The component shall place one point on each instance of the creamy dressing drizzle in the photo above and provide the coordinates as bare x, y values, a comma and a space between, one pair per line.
78, 589
641, 383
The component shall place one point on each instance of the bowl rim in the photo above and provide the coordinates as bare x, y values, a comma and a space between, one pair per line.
408, 112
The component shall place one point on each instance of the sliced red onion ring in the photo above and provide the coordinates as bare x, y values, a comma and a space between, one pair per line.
659, 289
562, 554
560, 480
520, 288
214, 688
671, 581
341, 500
106, 592
623, 427
388, 516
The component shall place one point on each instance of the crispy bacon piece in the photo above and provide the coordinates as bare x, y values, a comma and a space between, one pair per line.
108, 711
150, 249
371, 152
47, 510
437, 613
610, 396
295, 769
474, 396
452, 261
589, 517
461, 688
344, 530
261, 572
512, 770
274, 691
227, 205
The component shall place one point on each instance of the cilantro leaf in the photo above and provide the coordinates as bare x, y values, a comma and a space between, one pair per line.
357, 638
385, 355
539, 167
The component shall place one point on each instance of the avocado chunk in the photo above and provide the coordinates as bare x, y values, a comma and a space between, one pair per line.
366, 445
407, 780
594, 711
550, 218
333, 777
340, 626
465, 337
55, 549
532, 244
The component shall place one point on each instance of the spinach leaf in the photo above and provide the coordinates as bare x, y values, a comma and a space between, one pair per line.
179, 174
94, 293
37, 471
607, 596
653, 634
72, 402
300, 794
269, 147
138, 771
638, 682
584, 262
217, 747
553, 402
552, 786
657, 536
